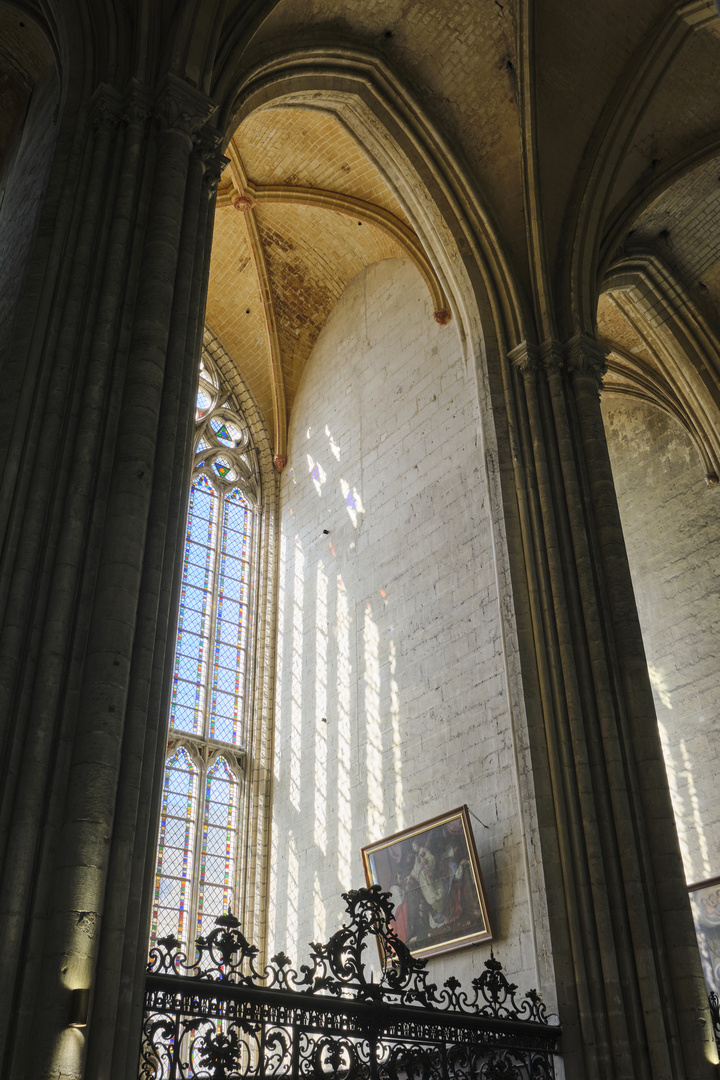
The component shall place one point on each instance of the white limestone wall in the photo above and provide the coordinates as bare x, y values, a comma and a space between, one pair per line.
671, 521
391, 696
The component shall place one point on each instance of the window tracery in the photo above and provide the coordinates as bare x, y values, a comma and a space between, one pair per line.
197, 859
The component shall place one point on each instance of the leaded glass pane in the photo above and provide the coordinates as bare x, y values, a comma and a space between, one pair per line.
194, 620
197, 854
219, 844
176, 845
228, 684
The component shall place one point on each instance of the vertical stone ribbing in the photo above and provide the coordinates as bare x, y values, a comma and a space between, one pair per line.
135, 835
40, 607
665, 946
90, 600
619, 861
554, 647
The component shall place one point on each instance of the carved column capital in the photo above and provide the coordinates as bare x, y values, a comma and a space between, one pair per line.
207, 149
181, 108
105, 108
552, 356
586, 358
526, 358
137, 107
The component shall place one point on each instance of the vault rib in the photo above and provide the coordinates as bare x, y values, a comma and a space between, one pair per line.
277, 380
352, 207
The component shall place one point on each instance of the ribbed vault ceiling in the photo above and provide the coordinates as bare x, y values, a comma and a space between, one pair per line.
301, 210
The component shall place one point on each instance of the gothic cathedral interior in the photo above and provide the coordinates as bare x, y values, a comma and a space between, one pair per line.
360, 479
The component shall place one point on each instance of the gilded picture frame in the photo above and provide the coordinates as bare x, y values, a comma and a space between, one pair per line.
433, 875
705, 905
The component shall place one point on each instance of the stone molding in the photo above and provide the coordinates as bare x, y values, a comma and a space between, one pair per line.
207, 147
105, 110
586, 358
582, 356
180, 108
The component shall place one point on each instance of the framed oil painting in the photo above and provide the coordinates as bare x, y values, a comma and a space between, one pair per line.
432, 874
705, 904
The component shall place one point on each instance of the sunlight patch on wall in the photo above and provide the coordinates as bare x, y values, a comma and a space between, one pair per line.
321, 748
297, 673
353, 502
317, 474
344, 673
683, 792
687, 776
373, 728
272, 876
280, 669
657, 680
320, 932
395, 722
333, 445
292, 895
676, 797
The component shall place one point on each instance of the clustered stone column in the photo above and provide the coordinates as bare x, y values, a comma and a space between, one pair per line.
93, 515
624, 948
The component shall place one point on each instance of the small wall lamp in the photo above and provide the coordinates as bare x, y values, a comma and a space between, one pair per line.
79, 1005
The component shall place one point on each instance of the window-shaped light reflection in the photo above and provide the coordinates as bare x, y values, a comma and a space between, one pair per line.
195, 614
176, 847
373, 727
395, 723
280, 672
218, 850
334, 448
321, 731
319, 921
678, 803
353, 501
297, 676
344, 672
699, 830
293, 898
317, 474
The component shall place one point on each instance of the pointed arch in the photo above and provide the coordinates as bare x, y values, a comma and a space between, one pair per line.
685, 349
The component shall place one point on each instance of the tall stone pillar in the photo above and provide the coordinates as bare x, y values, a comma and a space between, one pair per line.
92, 511
632, 997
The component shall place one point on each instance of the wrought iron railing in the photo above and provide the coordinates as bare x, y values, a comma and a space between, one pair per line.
715, 1015
219, 1018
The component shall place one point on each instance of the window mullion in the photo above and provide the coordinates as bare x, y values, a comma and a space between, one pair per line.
213, 616
205, 748
203, 751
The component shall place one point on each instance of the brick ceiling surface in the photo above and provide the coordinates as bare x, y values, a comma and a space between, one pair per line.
603, 105
279, 267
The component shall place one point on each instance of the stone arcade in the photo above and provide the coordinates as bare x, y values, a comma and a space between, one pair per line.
458, 265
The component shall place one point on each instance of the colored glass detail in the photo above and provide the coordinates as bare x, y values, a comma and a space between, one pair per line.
194, 619
219, 843
198, 842
228, 671
176, 848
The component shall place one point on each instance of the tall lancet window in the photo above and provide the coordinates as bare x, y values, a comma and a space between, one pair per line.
197, 861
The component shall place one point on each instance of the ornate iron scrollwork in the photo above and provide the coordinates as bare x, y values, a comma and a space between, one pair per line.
221, 1018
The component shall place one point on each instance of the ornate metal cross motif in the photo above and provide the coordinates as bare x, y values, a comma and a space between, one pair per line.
220, 1018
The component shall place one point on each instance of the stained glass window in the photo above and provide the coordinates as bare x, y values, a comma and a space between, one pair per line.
219, 842
176, 847
196, 877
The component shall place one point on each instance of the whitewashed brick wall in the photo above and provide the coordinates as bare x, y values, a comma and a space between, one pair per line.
391, 700
671, 521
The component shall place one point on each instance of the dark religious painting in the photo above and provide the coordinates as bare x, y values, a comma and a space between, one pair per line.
705, 904
432, 874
